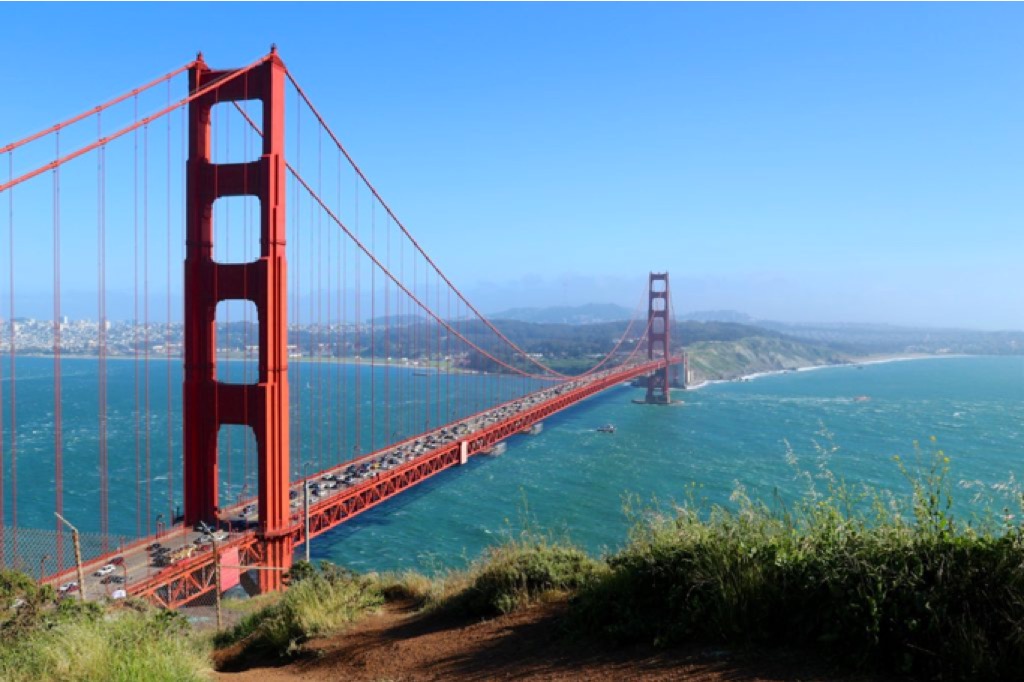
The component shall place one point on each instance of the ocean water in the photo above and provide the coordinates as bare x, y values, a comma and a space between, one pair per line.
569, 480
572, 480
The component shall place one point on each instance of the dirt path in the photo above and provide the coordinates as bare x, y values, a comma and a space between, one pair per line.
400, 645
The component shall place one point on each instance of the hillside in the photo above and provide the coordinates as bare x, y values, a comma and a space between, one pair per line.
403, 643
715, 360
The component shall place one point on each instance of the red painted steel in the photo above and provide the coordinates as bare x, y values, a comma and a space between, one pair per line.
658, 305
210, 404
184, 582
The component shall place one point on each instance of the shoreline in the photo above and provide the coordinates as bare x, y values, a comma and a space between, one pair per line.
864, 360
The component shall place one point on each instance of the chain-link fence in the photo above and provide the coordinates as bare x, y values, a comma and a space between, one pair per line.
43, 553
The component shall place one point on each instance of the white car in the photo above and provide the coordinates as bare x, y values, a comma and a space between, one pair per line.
68, 587
106, 570
218, 535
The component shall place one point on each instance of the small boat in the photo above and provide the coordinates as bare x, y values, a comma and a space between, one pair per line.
607, 428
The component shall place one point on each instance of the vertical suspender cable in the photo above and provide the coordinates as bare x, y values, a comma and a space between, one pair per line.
437, 370
58, 445
426, 349
145, 316
388, 438
327, 426
319, 306
359, 334
448, 362
12, 373
311, 354
135, 328
373, 330
101, 330
300, 384
343, 303
168, 331
414, 323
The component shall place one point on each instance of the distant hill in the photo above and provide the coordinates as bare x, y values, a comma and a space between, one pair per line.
718, 316
861, 339
591, 313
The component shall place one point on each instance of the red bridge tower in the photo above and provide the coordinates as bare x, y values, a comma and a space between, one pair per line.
658, 389
209, 403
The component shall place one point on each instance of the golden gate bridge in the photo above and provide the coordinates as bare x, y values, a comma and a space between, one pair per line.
325, 272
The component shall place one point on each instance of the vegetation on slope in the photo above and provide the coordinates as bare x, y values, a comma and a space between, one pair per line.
318, 602
859, 576
881, 583
731, 359
862, 577
43, 640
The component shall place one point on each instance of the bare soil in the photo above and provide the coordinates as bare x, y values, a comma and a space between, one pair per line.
398, 644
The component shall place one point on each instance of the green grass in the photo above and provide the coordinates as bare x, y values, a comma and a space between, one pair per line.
517, 574
858, 576
879, 582
318, 602
69, 641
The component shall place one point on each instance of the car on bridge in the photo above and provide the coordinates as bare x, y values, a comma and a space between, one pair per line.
105, 570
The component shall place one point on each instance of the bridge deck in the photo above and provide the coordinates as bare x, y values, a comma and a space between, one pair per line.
344, 491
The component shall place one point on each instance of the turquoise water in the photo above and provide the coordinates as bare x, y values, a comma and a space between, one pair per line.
145, 434
570, 479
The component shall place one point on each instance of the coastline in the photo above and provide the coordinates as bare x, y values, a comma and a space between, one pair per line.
862, 360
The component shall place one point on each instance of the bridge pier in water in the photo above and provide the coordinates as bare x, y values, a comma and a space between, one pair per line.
659, 391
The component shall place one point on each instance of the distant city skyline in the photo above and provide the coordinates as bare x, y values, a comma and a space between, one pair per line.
799, 163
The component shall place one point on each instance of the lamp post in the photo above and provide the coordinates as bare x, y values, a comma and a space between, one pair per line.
78, 555
159, 523
305, 507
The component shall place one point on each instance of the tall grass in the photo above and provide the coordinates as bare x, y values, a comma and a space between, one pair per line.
318, 602
519, 573
881, 583
70, 641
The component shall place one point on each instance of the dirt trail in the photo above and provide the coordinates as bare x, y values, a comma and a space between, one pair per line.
400, 645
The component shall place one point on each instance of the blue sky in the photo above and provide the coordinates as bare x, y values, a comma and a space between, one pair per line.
796, 162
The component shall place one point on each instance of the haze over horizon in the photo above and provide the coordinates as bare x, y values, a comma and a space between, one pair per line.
799, 163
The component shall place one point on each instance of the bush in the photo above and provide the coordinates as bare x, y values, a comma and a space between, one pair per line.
87, 642
319, 602
516, 574
906, 589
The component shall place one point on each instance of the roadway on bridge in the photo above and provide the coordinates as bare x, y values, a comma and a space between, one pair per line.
141, 562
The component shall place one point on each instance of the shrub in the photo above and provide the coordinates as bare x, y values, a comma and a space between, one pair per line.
79, 642
516, 574
907, 589
319, 602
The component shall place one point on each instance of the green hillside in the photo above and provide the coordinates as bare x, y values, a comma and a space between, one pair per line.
731, 359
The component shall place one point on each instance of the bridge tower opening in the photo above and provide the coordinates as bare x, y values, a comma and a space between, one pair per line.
659, 390
209, 403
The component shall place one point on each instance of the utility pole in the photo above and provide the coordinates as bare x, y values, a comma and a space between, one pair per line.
78, 554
